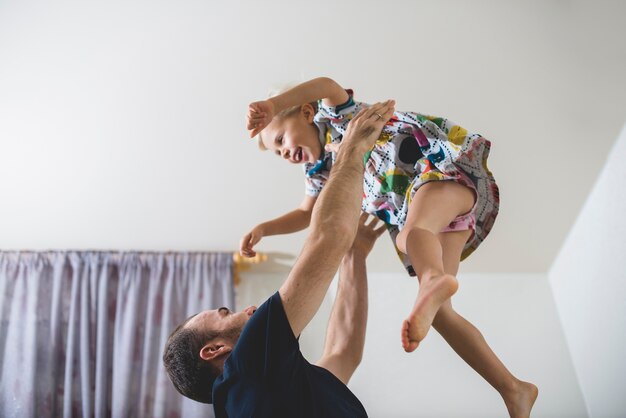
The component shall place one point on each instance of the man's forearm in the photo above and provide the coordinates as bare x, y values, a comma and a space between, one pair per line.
337, 210
348, 321
331, 233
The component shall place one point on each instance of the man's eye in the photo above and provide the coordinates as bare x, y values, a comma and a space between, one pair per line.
280, 140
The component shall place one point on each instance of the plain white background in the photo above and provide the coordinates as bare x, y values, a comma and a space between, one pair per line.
123, 122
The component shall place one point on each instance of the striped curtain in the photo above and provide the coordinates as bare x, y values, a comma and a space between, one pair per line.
82, 333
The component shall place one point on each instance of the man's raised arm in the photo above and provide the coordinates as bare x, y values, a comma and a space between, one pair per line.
345, 334
334, 220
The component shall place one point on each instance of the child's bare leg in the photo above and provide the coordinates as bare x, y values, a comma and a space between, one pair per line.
470, 345
433, 207
435, 288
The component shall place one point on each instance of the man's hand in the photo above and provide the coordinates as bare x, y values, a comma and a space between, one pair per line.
364, 129
260, 114
366, 236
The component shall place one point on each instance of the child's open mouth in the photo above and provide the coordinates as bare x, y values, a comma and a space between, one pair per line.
297, 157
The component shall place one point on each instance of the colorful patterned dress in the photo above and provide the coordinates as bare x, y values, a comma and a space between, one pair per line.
412, 150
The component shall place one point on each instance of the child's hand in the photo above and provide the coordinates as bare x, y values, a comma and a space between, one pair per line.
250, 240
260, 114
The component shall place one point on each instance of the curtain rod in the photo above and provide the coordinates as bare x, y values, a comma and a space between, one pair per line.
241, 263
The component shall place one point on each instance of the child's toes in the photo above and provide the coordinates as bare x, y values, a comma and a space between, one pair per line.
404, 334
408, 345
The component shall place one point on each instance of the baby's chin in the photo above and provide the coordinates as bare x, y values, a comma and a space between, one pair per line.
320, 154
312, 159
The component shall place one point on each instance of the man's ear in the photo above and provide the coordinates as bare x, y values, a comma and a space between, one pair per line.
213, 350
308, 111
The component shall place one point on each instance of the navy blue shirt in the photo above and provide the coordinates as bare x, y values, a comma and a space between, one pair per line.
267, 376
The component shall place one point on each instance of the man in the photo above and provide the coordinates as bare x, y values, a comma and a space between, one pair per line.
248, 364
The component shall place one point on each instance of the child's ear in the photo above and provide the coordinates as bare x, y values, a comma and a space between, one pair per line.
308, 111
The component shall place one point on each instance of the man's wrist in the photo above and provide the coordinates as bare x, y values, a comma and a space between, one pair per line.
355, 255
352, 150
357, 147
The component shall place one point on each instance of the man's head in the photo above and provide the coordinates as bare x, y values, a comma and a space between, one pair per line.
195, 352
292, 135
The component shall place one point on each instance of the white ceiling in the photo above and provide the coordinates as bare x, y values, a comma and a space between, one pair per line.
122, 123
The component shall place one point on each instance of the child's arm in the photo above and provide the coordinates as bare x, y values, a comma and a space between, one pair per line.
323, 88
260, 114
293, 221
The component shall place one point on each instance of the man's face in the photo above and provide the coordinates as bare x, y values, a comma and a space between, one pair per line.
221, 320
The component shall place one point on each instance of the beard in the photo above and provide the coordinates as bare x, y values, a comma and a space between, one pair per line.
232, 334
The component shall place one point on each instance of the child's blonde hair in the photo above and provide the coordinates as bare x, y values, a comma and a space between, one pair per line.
285, 113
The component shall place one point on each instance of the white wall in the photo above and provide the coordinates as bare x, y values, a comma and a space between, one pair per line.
122, 121
515, 313
588, 279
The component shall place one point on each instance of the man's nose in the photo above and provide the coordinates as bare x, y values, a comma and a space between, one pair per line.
250, 310
286, 153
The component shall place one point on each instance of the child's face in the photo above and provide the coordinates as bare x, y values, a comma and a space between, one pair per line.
294, 138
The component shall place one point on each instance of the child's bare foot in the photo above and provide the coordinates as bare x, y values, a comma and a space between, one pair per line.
433, 292
521, 399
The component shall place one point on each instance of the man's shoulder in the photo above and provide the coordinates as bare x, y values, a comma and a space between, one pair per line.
240, 396
264, 341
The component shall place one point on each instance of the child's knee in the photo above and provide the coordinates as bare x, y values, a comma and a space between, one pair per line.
401, 239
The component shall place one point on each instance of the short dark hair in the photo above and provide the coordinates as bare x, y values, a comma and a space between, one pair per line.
191, 376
